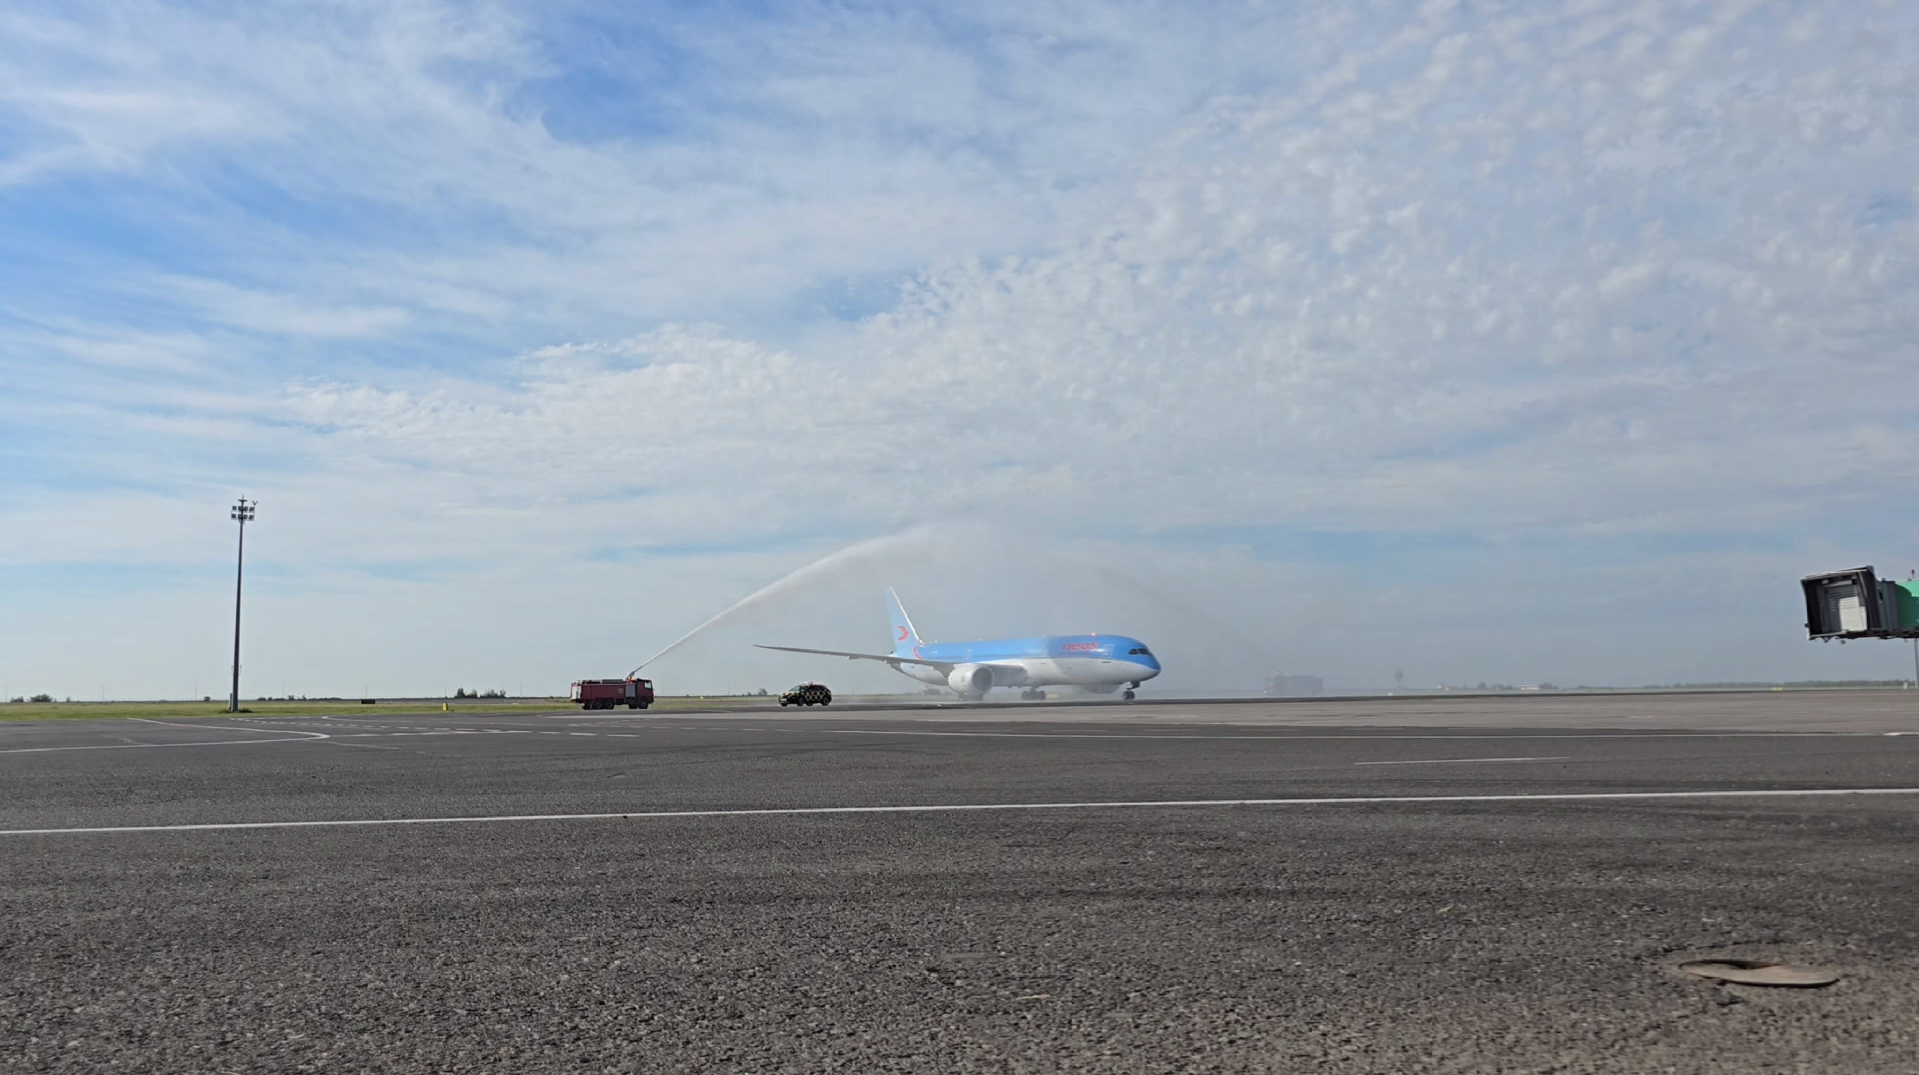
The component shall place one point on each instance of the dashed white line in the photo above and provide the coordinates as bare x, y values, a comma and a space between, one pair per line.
959, 808
1457, 761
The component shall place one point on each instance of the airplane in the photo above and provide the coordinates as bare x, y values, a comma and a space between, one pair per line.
1096, 663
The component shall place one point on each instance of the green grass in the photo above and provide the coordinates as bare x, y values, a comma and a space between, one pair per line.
347, 707
123, 710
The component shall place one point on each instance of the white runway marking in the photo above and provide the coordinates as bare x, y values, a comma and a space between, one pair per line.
1456, 761
961, 808
305, 736
1380, 736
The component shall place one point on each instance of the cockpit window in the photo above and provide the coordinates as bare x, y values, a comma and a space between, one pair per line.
1140, 650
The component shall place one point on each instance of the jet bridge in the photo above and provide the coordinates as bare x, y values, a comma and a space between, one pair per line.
1859, 604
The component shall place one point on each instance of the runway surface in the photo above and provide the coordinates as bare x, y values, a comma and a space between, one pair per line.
1387, 885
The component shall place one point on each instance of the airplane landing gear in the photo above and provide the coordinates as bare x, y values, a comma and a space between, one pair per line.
1032, 696
1128, 696
1130, 688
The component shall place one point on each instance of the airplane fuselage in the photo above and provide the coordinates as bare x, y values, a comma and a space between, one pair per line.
1090, 661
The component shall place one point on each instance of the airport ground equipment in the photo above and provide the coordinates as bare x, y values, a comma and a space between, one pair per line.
807, 694
1857, 603
609, 693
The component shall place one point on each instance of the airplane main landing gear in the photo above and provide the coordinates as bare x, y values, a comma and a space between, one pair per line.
1032, 696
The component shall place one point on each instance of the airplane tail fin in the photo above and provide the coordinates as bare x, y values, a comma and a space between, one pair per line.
905, 639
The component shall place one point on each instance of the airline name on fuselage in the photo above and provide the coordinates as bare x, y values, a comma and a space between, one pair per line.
1079, 647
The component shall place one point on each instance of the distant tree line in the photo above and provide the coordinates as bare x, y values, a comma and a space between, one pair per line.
1796, 684
1733, 684
462, 692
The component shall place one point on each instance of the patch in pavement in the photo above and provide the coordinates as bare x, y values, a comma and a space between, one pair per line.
1758, 972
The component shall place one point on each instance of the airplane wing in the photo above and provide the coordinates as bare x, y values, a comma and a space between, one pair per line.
887, 657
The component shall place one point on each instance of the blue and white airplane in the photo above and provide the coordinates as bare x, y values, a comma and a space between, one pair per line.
1097, 663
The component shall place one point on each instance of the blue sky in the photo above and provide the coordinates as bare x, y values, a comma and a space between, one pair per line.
1482, 341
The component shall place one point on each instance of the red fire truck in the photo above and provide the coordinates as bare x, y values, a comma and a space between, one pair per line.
608, 693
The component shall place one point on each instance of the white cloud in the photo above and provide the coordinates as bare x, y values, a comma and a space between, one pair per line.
283, 315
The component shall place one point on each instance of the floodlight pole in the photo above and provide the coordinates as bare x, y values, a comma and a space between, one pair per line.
242, 513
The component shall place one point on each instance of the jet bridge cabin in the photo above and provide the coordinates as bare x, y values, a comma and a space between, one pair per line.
1859, 604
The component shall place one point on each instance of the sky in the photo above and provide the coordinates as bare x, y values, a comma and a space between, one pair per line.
1470, 341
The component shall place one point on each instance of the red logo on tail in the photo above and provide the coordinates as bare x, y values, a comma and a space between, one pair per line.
903, 634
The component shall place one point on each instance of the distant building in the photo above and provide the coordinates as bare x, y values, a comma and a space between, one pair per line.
1294, 686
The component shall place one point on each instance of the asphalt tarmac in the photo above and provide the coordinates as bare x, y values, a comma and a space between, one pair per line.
1457, 885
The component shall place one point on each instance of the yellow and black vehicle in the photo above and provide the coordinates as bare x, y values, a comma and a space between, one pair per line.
807, 694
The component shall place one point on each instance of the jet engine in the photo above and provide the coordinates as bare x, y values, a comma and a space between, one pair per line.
973, 680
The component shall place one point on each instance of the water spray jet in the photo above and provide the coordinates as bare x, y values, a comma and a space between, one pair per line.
796, 577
